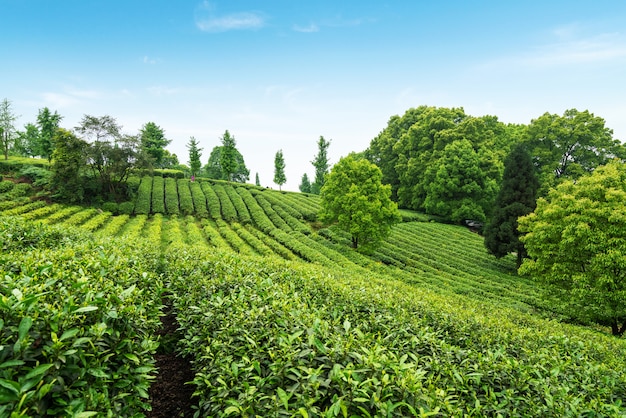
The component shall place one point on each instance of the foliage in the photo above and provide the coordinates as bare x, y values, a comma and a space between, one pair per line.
171, 197
153, 142
321, 165
257, 182
576, 239
27, 141
517, 197
354, 198
214, 170
38, 176
7, 127
279, 169
194, 156
144, 196
305, 184
184, 197
68, 161
228, 157
568, 146
48, 124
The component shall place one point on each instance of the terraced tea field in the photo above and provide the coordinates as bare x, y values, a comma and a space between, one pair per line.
278, 316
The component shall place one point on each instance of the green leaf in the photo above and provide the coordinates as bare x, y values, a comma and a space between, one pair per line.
10, 385
86, 414
132, 357
11, 363
69, 334
86, 309
24, 327
39, 370
284, 397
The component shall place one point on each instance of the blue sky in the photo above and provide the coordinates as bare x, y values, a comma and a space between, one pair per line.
278, 74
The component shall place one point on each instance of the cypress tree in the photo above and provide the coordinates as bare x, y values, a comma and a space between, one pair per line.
517, 197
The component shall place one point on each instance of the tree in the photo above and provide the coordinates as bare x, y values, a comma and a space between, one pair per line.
576, 240
110, 155
305, 184
228, 159
194, 156
213, 168
154, 142
354, 198
517, 197
457, 186
48, 124
568, 146
27, 141
7, 127
321, 165
68, 160
257, 182
279, 169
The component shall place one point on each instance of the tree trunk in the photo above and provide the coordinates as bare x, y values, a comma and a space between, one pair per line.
616, 329
355, 242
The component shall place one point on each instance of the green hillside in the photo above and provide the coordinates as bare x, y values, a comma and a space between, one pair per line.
278, 316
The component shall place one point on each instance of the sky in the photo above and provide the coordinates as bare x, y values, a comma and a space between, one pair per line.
278, 74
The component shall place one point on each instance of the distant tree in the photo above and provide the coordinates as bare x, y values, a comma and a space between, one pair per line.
576, 240
279, 169
27, 141
568, 146
213, 168
257, 182
321, 165
305, 184
354, 198
68, 161
457, 186
111, 156
154, 142
517, 197
7, 127
48, 123
194, 156
228, 159
169, 160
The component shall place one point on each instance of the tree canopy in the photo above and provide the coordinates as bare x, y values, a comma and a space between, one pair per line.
576, 240
321, 165
213, 168
228, 156
7, 126
354, 198
517, 197
305, 184
194, 156
279, 169
48, 123
153, 141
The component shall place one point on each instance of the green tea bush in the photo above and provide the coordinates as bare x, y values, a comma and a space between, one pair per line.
243, 214
271, 213
158, 195
6, 186
212, 201
184, 194
144, 196
229, 213
112, 207
37, 176
171, 197
199, 200
259, 217
126, 208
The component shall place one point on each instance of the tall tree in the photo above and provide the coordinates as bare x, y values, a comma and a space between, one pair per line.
228, 160
48, 124
154, 142
305, 184
99, 129
568, 146
213, 168
68, 160
517, 197
354, 198
7, 127
279, 169
257, 182
321, 165
194, 156
27, 141
576, 240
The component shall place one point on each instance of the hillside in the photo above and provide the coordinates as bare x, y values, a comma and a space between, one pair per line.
279, 317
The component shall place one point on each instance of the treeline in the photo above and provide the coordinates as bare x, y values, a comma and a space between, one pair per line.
446, 163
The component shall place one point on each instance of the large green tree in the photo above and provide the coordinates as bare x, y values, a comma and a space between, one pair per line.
228, 156
27, 142
213, 168
194, 156
68, 162
305, 184
517, 197
321, 165
568, 146
279, 169
48, 123
354, 198
576, 240
7, 126
153, 141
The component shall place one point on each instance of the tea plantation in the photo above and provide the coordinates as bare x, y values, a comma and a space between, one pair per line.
278, 316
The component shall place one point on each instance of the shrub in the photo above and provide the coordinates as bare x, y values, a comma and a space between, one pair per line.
184, 195
144, 196
229, 213
199, 200
112, 207
39, 177
171, 197
158, 194
6, 186
126, 208
212, 201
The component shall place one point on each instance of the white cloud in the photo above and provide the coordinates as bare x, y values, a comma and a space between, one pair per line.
162, 90
312, 27
208, 21
150, 61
